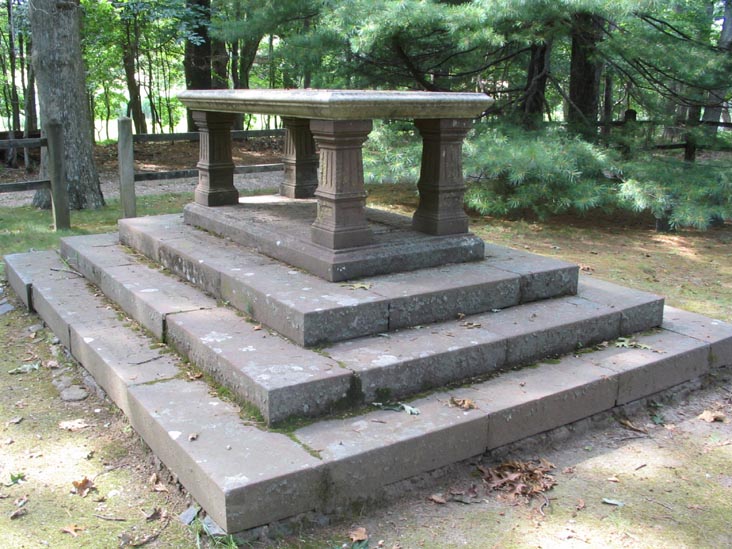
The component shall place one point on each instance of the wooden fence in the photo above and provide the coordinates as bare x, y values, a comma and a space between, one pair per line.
54, 142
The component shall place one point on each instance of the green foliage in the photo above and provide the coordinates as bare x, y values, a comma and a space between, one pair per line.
392, 152
512, 172
686, 194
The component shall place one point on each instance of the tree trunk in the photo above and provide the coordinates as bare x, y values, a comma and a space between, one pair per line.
584, 75
532, 107
197, 58
219, 65
60, 73
713, 112
129, 62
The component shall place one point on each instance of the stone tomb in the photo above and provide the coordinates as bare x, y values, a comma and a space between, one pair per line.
336, 237
459, 323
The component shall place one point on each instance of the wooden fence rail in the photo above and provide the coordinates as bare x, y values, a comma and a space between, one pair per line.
54, 142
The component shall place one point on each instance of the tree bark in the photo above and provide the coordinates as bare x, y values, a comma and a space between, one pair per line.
532, 107
713, 112
129, 62
197, 58
60, 74
584, 75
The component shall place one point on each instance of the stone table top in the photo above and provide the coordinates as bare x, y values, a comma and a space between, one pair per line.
339, 104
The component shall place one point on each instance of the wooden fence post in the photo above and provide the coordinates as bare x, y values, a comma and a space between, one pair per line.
126, 163
57, 170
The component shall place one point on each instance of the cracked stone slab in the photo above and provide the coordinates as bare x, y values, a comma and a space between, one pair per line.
659, 361
119, 357
242, 476
279, 378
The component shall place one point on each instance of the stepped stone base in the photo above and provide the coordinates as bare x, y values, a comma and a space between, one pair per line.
280, 228
245, 475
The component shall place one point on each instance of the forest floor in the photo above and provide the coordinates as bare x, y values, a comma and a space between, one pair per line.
655, 475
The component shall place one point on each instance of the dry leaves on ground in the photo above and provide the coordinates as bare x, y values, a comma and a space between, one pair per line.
710, 416
83, 487
519, 479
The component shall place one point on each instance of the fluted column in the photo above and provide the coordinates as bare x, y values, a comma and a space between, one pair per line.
341, 221
300, 159
215, 166
441, 186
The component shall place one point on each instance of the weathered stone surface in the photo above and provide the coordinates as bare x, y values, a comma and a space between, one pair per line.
278, 377
714, 332
22, 269
536, 330
119, 357
91, 254
664, 359
533, 400
280, 228
242, 476
339, 104
640, 310
132, 233
541, 277
149, 296
410, 361
310, 310
442, 293
382, 447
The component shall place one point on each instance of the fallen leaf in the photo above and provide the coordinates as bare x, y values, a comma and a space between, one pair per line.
83, 487
193, 436
192, 376
614, 502
580, 504
586, 268
358, 534
20, 502
568, 470
460, 316
73, 425
15, 420
625, 422
16, 478
710, 416
613, 479
519, 479
463, 403
25, 368
160, 487
257, 327
437, 498
357, 286
470, 325
18, 513
155, 515
72, 529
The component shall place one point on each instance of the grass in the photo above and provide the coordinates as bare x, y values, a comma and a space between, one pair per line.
26, 228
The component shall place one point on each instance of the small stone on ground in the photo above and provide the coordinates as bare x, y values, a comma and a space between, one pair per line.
75, 393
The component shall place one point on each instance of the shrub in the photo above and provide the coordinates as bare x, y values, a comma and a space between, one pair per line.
513, 172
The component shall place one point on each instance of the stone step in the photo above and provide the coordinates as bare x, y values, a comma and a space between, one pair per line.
283, 380
311, 311
245, 476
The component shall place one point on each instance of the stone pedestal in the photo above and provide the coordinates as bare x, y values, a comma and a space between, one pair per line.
341, 219
300, 159
215, 166
441, 186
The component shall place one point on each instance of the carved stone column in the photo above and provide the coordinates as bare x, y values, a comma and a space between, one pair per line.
341, 221
215, 166
300, 158
441, 186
